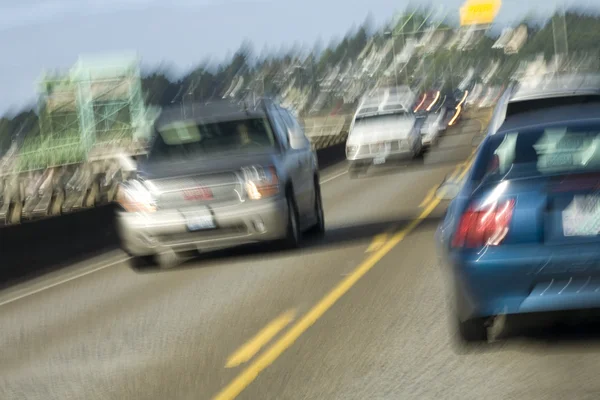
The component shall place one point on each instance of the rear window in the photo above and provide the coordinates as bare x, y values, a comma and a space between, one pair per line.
544, 151
382, 119
185, 139
525, 106
367, 110
393, 107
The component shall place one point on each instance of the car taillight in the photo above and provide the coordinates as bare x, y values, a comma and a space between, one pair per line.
351, 150
494, 164
484, 226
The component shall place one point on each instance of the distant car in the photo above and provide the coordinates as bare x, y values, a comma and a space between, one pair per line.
522, 232
432, 127
428, 102
384, 129
454, 103
221, 175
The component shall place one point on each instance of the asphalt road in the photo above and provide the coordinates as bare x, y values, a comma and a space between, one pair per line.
359, 314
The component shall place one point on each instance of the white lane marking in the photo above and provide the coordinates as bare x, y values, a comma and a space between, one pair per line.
110, 264
51, 285
333, 177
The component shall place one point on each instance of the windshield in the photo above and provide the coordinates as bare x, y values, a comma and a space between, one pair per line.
382, 119
189, 139
558, 149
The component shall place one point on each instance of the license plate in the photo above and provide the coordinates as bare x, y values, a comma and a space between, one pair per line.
200, 222
383, 150
582, 216
379, 160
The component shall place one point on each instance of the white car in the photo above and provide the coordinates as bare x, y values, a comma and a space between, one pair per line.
432, 127
384, 129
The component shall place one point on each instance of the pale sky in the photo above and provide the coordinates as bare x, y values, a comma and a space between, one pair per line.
39, 34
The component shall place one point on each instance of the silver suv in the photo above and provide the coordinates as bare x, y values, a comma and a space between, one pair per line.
219, 175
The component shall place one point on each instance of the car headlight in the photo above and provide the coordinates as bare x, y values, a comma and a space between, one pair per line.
351, 150
133, 196
260, 182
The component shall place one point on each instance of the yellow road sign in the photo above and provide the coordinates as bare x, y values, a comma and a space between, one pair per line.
479, 12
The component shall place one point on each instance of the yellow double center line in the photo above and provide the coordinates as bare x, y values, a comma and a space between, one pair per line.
248, 375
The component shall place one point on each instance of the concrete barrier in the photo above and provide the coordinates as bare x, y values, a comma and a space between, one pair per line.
31, 249
35, 248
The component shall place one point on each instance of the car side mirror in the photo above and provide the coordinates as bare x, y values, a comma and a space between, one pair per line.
298, 142
447, 190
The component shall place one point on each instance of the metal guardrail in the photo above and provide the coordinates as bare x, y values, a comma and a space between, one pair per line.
327, 131
325, 126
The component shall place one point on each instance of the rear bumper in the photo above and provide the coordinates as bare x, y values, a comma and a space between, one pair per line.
390, 157
149, 234
534, 280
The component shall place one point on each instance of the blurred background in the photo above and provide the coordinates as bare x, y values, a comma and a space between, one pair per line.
83, 83
138, 57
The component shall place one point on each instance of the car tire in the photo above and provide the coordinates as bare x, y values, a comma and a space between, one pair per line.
173, 259
472, 330
319, 228
293, 237
140, 262
420, 151
355, 169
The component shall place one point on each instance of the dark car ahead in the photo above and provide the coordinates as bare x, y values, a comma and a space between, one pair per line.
220, 175
522, 233
454, 103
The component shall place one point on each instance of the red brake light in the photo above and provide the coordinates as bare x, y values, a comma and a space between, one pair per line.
486, 226
494, 164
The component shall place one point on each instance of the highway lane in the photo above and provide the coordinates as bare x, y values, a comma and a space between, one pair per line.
120, 333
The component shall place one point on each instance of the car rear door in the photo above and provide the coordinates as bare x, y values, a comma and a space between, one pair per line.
305, 161
291, 159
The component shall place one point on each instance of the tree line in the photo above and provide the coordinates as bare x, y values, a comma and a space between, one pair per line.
207, 81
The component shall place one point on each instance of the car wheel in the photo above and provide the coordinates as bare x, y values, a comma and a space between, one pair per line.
139, 262
172, 259
293, 236
472, 330
420, 149
356, 169
319, 227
